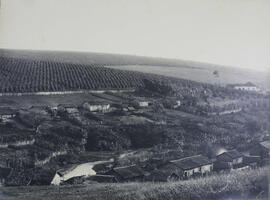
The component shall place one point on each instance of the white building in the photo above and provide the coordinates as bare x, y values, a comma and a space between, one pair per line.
247, 87
96, 107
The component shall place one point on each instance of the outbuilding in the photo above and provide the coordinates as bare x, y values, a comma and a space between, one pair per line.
194, 165
232, 157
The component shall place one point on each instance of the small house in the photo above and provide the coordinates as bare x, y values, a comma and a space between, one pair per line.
128, 173
194, 165
96, 106
232, 157
261, 149
6, 113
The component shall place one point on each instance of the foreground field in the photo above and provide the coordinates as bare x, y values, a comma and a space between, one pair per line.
251, 184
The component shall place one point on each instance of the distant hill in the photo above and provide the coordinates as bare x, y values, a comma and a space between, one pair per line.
45, 66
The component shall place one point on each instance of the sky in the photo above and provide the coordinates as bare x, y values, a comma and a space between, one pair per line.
227, 32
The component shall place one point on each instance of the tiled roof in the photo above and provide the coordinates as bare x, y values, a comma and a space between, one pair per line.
233, 154
191, 162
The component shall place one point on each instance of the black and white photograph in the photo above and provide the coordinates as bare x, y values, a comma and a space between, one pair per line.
134, 100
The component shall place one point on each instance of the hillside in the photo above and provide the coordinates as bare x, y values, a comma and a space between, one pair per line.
29, 75
196, 71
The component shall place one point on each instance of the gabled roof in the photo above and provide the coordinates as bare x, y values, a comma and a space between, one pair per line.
129, 171
266, 144
233, 154
191, 162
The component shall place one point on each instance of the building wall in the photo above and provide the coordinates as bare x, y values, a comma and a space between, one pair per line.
202, 170
207, 168
247, 88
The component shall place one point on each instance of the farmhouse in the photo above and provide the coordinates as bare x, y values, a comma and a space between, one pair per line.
128, 173
194, 165
232, 157
6, 113
96, 107
261, 149
246, 87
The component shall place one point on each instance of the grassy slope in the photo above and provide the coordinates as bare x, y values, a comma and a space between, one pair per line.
240, 185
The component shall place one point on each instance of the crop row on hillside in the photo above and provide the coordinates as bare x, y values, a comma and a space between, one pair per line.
19, 75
